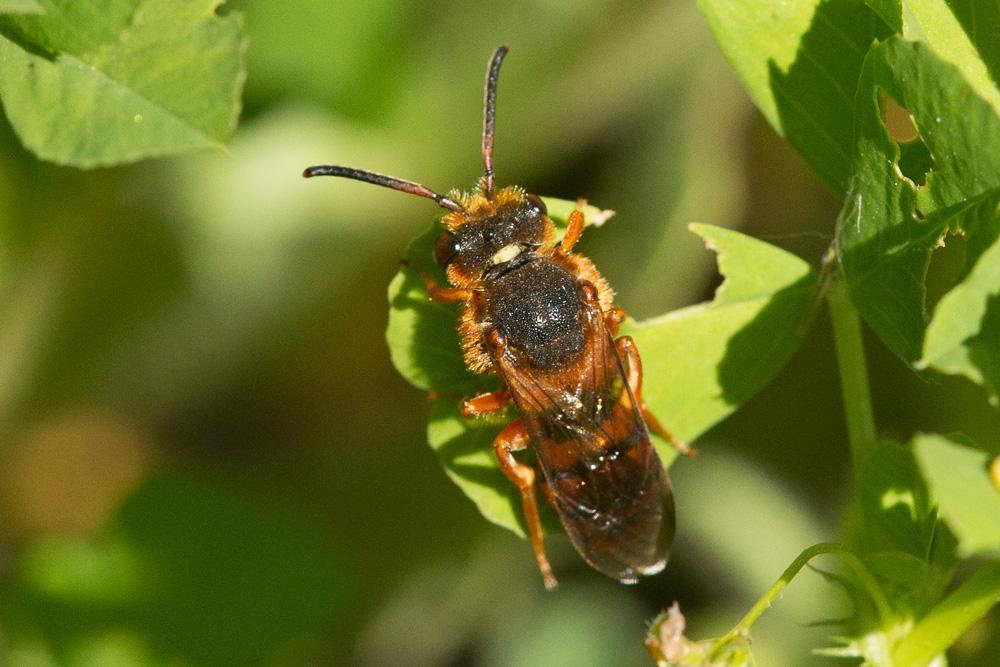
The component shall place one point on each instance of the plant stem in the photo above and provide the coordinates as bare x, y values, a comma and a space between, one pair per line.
849, 559
853, 371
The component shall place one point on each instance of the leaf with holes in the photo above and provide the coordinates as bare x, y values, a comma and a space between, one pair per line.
800, 62
112, 81
890, 223
700, 363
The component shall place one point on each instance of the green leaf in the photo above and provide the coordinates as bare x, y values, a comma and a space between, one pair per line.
963, 337
897, 531
889, 11
700, 363
890, 225
963, 33
800, 62
423, 341
21, 7
939, 629
911, 584
958, 477
896, 511
115, 81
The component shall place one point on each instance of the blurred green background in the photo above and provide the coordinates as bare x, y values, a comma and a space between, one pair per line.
206, 457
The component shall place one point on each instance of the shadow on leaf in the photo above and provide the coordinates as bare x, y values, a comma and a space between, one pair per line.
760, 349
815, 95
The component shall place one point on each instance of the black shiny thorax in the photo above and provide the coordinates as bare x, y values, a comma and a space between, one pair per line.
537, 307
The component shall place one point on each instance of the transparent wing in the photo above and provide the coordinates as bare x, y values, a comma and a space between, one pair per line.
601, 472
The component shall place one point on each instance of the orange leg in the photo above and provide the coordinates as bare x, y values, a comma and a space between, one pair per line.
574, 228
627, 349
513, 438
485, 404
448, 294
440, 294
613, 319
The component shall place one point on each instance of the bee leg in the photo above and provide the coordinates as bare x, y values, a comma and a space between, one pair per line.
627, 349
440, 294
613, 319
485, 404
448, 294
614, 315
574, 228
513, 438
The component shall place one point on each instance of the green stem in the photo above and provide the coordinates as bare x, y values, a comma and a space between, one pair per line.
848, 558
853, 371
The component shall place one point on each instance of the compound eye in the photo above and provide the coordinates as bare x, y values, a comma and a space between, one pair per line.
445, 249
536, 203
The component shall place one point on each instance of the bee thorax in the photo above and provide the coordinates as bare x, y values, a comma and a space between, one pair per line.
537, 306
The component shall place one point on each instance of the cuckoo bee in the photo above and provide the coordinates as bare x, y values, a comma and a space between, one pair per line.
542, 319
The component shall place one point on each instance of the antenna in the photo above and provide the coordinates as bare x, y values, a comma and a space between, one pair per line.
385, 182
490, 116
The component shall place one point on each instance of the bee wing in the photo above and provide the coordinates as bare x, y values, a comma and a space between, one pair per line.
601, 472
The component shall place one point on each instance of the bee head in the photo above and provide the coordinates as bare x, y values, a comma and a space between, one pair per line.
491, 233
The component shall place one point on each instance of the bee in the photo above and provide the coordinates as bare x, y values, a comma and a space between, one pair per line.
542, 318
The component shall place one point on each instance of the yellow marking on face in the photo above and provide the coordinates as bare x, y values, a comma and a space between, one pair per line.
506, 253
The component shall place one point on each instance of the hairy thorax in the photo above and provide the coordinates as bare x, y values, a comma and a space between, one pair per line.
536, 306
